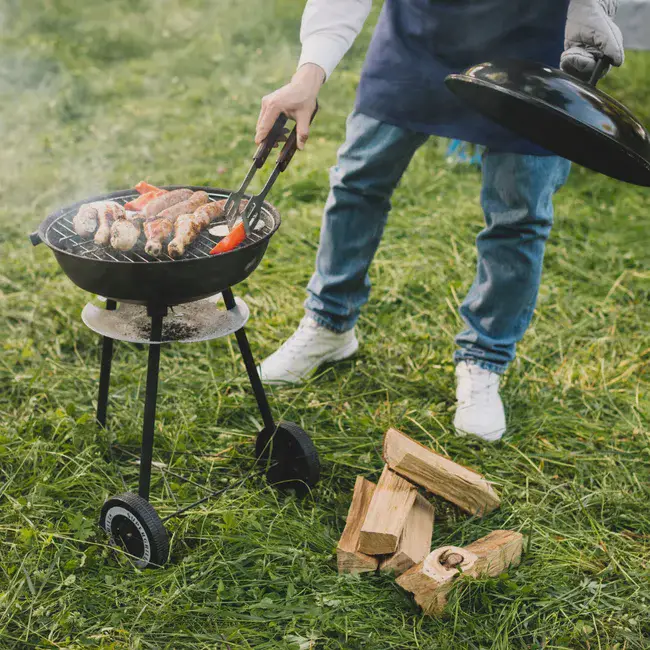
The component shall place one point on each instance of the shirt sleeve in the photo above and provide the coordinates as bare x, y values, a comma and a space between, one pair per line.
328, 30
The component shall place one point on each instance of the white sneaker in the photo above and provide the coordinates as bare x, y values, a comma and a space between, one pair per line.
310, 346
480, 410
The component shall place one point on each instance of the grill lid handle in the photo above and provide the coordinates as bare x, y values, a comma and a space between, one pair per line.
35, 238
599, 70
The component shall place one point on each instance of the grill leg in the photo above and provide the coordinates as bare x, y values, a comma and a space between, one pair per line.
251, 369
105, 373
151, 395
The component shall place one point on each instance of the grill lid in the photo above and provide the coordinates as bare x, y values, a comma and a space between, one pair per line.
562, 114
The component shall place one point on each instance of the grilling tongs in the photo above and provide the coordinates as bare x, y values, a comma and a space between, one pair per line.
253, 210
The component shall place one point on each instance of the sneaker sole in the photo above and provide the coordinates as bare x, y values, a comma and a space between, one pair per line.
491, 437
338, 355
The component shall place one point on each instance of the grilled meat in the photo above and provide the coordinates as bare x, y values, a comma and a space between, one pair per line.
107, 213
196, 200
189, 226
213, 210
186, 229
157, 231
126, 230
165, 201
86, 221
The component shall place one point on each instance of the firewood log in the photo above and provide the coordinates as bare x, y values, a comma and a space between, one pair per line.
389, 508
439, 475
431, 580
415, 542
348, 558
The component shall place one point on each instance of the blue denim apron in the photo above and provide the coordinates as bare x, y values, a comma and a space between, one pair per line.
417, 43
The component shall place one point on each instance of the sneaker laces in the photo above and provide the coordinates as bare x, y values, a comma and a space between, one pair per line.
482, 384
301, 338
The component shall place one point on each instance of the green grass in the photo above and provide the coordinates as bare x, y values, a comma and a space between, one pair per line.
95, 96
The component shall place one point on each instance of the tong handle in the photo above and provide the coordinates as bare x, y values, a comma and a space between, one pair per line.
291, 146
272, 139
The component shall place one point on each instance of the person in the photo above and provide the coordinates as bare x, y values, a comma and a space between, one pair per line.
402, 100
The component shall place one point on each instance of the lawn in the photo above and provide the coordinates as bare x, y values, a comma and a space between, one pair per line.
97, 95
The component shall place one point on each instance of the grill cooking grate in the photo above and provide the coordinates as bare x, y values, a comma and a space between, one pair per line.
61, 235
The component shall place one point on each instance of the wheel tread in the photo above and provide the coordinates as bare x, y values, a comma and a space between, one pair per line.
149, 519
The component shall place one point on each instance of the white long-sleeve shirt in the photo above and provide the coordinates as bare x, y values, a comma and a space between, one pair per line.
328, 30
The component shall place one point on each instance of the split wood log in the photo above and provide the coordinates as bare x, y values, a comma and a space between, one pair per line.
497, 551
415, 542
350, 560
389, 508
431, 580
435, 473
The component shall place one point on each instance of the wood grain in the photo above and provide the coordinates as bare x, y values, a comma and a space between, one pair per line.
415, 542
387, 514
431, 580
350, 560
497, 551
439, 475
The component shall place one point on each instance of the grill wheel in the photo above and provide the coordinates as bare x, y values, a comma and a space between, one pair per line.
133, 524
291, 457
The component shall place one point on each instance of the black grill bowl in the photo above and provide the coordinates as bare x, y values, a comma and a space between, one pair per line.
164, 282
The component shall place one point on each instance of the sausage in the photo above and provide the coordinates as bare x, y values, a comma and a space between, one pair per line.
196, 200
165, 201
212, 210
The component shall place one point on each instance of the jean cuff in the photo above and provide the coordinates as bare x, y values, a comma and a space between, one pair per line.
498, 368
337, 328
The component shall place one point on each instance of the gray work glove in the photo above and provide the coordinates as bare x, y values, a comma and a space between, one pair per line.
590, 34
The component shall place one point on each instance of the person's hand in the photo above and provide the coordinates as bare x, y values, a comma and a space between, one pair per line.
296, 100
590, 34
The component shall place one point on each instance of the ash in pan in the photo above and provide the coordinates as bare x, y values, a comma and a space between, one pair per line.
175, 331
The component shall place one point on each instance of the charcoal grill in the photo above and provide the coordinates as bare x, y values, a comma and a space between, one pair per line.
143, 303
135, 276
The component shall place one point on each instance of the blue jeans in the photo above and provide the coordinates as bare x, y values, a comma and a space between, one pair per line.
517, 202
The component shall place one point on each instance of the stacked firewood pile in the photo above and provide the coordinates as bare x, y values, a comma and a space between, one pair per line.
390, 524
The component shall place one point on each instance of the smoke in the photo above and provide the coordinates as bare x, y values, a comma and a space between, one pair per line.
93, 99
41, 119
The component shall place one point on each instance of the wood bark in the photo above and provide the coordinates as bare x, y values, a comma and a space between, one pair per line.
350, 560
439, 475
389, 508
415, 542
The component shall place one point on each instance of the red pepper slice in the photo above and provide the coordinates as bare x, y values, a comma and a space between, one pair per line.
235, 237
143, 187
137, 204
